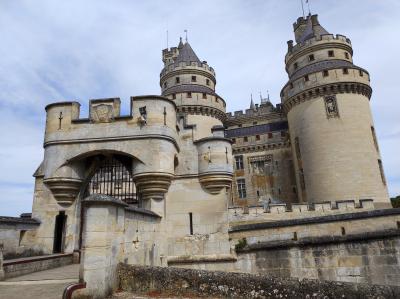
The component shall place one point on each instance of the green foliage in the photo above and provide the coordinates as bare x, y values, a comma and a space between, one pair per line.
396, 201
241, 244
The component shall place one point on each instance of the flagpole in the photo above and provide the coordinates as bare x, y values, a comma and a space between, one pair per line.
302, 8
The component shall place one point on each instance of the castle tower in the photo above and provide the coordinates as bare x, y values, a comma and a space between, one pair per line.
326, 99
190, 83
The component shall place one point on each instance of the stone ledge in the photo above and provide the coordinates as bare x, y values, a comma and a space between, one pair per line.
101, 199
193, 259
18, 220
313, 220
280, 244
142, 211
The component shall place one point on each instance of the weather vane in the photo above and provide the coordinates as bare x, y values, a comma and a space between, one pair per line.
186, 35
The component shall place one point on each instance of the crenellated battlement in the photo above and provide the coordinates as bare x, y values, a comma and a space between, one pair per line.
338, 38
186, 65
284, 211
258, 111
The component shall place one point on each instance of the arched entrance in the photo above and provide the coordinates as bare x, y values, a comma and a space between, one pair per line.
112, 176
59, 232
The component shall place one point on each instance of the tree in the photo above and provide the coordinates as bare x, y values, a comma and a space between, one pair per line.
395, 201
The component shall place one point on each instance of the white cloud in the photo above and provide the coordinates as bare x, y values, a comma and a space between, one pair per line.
65, 50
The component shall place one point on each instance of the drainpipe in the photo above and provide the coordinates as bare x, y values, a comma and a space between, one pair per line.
71, 288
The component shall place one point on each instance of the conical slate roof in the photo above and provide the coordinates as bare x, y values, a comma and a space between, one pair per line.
186, 54
313, 29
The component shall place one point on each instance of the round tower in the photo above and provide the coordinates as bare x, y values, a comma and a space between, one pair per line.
326, 99
190, 83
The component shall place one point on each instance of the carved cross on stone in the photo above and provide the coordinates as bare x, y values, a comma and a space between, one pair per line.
165, 116
226, 154
60, 118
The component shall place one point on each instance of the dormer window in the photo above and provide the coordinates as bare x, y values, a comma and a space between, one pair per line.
177, 80
311, 57
193, 78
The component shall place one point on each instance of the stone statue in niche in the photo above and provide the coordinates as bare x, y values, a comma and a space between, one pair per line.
102, 113
331, 106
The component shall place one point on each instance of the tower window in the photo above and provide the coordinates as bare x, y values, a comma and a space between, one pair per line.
233, 140
296, 66
254, 123
207, 82
345, 71
257, 137
311, 57
306, 78
193, 78
241, 187
216, 100
381, 171
374, 138
269, 135
331, 53
204, 95
189, 94
239, 162
361, 73
174, 96
165, 84
346, 55
245, 139
177, 80
325, 73
291, 85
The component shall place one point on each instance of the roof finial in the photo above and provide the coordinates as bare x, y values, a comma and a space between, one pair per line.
252, 106
186, 35
180, 46
261, 99
302, 8
309, 10
268, 96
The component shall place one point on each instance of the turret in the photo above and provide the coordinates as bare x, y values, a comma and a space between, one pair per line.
190, 83
331, 128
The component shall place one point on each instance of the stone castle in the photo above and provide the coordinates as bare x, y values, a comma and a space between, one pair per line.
180, 182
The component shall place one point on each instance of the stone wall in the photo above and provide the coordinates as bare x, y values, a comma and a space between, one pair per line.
16, 236
22, 266
114, 233
185, 282
352, 247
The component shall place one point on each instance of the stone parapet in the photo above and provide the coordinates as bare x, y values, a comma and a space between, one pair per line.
293, 211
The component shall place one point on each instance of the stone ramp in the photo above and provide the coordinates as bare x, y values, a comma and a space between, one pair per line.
47, 284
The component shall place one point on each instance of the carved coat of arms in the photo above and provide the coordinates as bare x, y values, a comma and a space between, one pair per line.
102, 113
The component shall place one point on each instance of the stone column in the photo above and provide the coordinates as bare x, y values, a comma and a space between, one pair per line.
103, 243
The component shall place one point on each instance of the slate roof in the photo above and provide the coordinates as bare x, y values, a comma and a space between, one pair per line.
312, 30
186, 54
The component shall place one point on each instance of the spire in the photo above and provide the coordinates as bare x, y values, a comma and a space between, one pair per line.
180, 46
252, 106
186, 54
262, 101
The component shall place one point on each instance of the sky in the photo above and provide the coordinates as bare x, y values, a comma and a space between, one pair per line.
53, 50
